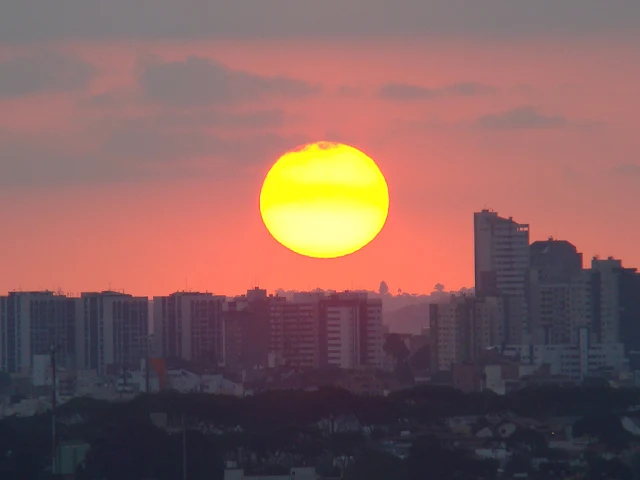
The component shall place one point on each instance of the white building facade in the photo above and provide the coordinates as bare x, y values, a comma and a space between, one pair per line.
575, 361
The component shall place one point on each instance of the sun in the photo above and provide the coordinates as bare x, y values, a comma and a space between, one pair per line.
324, 200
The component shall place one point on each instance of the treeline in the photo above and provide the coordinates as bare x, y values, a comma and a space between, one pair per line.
126, 445
421, 405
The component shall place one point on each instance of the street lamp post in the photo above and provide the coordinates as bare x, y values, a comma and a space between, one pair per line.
54, 452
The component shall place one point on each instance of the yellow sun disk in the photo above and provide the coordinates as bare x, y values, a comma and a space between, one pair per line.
324, 201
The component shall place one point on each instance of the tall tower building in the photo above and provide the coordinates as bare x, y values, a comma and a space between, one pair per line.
501, 251
352, 330
554, 265
247, 330
295, 333
190, 326
463, 329
606, 300
112, 331
451, 329
30, 323
342, 329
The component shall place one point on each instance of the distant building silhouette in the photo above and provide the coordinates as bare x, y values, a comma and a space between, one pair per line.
190, 326
341, 329
501, 258
30, 323
247, 330
463, 329
606, 300
99, 331
112, 331
553, 265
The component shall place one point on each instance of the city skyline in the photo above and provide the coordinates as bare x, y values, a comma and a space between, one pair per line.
236, 239
526, 293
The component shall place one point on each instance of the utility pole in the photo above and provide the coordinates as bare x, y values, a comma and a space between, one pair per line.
54, 443
184, 449
146, 366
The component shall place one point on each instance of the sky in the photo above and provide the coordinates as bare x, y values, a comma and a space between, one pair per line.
135, 136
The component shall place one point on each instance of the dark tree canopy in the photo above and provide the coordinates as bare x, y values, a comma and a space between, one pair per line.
375, 465
395, 346
430, 459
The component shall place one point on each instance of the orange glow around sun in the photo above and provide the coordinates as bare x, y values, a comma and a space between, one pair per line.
324, 200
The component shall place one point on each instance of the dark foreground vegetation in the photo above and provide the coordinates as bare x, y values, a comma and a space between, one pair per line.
264, 433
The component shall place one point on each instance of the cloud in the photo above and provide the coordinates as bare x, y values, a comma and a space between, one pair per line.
180, 137
403, 91
169, 144
42, 160
468, 89
43, 20
205, 118
43, 72
521, 118
199, 81
408, 92
348, 91
625, 169
152, 146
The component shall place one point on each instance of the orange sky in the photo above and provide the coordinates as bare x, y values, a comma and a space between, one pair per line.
102, 186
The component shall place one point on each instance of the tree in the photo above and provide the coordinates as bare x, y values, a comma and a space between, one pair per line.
421, 359
605, 426
384, 288
5, 382
19, 457
519, 463
428, 458
374, 465
528, 440
601, 469
395, 346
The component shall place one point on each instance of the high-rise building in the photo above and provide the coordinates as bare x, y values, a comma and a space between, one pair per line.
342, 329
451, 326
501, 254
31, 323
247, 330
190, 326
352, 330
112, 331
629, 292
464, 328
501, 251
606, 300
554, 264
583, 299
295, 333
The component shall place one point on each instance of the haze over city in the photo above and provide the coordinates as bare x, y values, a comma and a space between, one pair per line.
133, 142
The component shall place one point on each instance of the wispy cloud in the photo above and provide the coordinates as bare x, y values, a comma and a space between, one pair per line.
200, 81
43, 72
44, 20
625, 170
409, 92
521, 118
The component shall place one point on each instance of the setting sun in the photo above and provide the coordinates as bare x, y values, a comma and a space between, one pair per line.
324, 200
